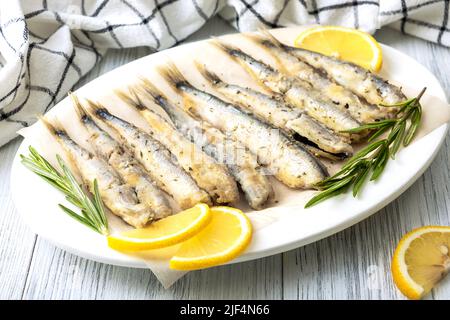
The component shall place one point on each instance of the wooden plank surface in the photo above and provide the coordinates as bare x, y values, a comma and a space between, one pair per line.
353, 264
16, 240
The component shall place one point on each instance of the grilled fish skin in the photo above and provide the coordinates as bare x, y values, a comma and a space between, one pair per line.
118, 197
123, 162
339, 95
296, 91
155, 158
362, 82
278, 114
211, 176
241, 163
289, 162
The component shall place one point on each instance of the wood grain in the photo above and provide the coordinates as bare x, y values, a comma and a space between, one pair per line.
353, 264
16, 240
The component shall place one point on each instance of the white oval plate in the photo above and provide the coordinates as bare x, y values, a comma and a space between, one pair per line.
37, 202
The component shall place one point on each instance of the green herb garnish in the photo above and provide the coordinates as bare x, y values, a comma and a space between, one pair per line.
372, 159
92, 213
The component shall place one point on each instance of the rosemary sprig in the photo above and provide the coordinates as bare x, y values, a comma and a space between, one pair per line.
373, 158
92, 213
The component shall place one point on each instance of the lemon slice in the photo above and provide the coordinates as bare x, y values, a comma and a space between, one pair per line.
421, 260
223, 239
343, 43
165, 232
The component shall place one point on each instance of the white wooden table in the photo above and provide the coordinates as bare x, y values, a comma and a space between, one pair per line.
353, 264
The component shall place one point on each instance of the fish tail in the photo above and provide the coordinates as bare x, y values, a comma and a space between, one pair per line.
159, 98
212, 77
235, 54
173, 76
271, 45
177, 81
98, 110
243, 59
151, 90
228, 49
131, 98
270, 39
79, 108
55, 128
259, 39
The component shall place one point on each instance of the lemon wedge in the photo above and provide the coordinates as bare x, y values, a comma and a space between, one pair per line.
223, 239
347, 44
165, 232
421, 260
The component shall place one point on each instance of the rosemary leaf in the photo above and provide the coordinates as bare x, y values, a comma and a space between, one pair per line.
77, 217
359, 180
415, 122
363, 152
374, 125
380, 163
378, 133
398, 140
407, 106
92, 213
336, 189
374, 157
99, 206
400, 104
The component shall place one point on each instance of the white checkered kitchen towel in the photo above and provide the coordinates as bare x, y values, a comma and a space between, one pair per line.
47, 45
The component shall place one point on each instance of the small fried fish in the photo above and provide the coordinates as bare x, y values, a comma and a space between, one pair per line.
279, 114
296, 91
155, 158
362, 82
211, 176
343, 98
119, 197
290, 163
241, 163
124, 163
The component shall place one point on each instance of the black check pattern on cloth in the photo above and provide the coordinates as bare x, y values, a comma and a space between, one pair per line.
46, 46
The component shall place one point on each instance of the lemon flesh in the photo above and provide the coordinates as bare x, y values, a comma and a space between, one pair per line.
165, 232
421, 260
346, 44
223, 239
